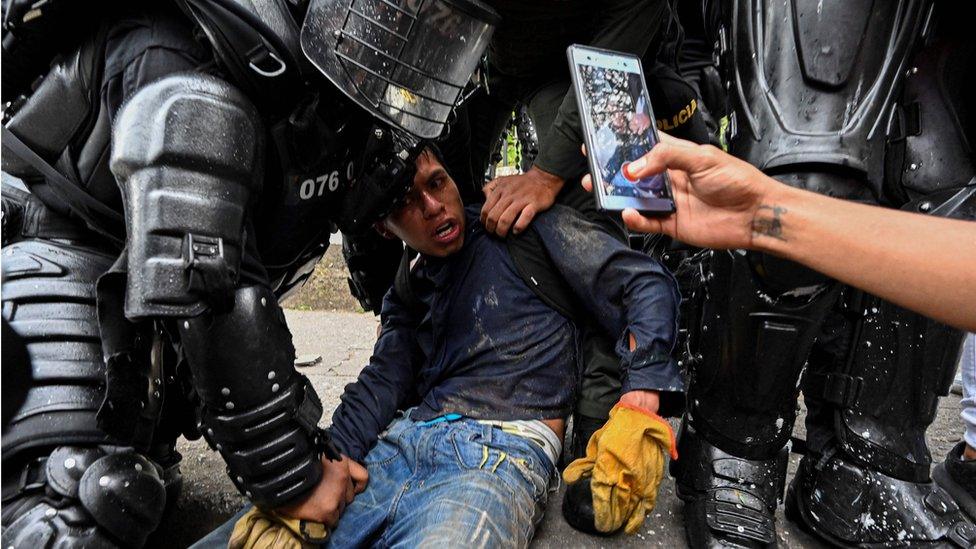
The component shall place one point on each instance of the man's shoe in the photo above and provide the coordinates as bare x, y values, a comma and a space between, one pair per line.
848, 505
578, 499
958, 477
578, 508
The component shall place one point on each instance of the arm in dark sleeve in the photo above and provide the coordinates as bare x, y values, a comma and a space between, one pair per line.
624, 25
626, 292
385, 386
145, 47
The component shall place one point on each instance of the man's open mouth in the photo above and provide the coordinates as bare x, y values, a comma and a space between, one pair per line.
446, 232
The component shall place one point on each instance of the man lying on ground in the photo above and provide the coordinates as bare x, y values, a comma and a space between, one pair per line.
459, 416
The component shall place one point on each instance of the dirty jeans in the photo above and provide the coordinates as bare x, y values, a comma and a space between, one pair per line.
967, 370
448, 484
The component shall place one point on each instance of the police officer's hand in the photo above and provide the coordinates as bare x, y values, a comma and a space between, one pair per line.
716, 195
512, 201
341, 481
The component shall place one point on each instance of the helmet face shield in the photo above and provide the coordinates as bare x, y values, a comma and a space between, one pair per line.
405, 61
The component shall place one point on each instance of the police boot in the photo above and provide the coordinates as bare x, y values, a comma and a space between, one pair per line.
850, 505
870, 398
729, 501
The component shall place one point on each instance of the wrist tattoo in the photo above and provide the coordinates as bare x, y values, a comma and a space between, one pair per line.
769, 222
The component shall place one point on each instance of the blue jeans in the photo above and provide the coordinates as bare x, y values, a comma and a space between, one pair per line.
448, 484
967, 367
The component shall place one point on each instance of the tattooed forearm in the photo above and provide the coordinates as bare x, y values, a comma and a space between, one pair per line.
769, 222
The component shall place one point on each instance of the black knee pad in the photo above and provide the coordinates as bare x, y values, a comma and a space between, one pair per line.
86, 497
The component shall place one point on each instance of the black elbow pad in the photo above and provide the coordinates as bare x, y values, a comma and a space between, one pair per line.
187, 154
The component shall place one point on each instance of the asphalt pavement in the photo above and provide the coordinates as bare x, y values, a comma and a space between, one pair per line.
338, 345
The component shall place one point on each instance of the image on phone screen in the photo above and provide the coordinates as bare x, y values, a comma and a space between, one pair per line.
620, 129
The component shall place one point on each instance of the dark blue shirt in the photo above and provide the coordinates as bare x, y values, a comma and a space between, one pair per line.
487, 347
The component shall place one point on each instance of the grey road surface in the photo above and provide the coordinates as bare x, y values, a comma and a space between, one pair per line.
344, 341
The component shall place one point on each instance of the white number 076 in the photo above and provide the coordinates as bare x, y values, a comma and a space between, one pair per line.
308, 188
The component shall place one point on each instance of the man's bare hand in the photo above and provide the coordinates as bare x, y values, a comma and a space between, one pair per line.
512, 201
718, 197
341, 481
645, 400
359, 476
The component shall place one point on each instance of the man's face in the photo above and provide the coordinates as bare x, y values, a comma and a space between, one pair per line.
639, 123
431, 219
618, 122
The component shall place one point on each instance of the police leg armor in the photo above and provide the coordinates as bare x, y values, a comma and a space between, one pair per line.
759, 318
259, 413
872, 390
65, 481
837, 99
187, 154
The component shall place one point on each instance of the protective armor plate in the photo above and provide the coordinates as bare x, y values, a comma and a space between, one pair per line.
187, 152
259, 413
759, 319
49, 299
814, 86
884, 389
929, 149
906, 363
93, 497
66, 465
852, 506
48, 526
125, 495
49, 131
729, 498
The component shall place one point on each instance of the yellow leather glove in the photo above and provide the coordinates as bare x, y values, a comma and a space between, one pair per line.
625, 460
259, 529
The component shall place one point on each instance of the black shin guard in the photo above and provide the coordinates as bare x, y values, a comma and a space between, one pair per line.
259, 413
872, 391
757, 325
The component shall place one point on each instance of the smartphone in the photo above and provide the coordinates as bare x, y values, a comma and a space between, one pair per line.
619, 127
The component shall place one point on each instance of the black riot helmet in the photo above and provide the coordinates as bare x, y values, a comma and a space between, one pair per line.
405, 61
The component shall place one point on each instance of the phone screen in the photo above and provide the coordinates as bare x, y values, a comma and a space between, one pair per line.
620, 128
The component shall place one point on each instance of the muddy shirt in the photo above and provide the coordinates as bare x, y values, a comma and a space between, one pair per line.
488, 347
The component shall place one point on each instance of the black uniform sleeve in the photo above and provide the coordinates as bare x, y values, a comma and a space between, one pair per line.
624, 25
627, 292
145, 47
386, 385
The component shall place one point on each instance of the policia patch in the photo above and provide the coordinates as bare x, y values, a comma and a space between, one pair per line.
682, 117
676, 104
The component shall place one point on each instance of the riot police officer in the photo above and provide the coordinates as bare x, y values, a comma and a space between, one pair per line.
861, 102
185, 163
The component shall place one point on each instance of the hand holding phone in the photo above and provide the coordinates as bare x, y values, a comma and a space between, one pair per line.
618, 127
